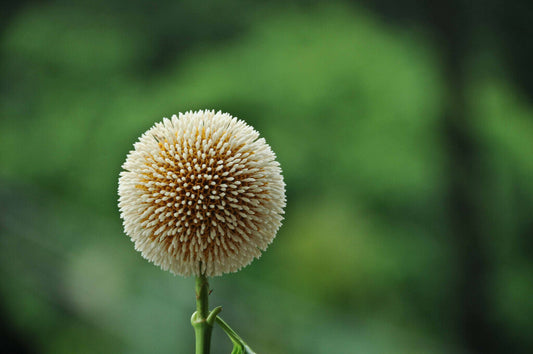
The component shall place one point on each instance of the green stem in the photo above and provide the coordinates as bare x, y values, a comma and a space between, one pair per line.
202, 328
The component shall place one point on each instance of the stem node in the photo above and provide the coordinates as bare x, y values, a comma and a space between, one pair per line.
202, 321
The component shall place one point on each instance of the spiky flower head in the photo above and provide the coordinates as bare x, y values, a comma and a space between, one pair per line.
201, 193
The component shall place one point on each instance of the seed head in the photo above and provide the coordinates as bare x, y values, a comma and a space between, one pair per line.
201, 194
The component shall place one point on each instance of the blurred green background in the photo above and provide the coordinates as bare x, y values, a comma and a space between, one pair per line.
404, 130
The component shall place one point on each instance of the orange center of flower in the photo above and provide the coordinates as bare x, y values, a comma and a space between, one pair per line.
201, 195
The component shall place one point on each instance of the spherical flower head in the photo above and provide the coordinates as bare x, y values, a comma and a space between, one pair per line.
201, 194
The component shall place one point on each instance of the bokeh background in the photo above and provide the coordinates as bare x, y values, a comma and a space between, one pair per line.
404, 129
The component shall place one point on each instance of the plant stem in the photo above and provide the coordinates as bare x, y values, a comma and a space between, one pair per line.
202, 327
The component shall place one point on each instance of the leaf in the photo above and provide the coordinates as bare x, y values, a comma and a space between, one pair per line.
239, 346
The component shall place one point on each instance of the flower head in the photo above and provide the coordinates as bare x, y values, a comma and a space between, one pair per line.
201, 194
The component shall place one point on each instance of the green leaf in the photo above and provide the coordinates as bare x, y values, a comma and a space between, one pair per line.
239, 346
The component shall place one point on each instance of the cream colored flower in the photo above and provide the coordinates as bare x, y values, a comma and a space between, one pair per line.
201, 190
